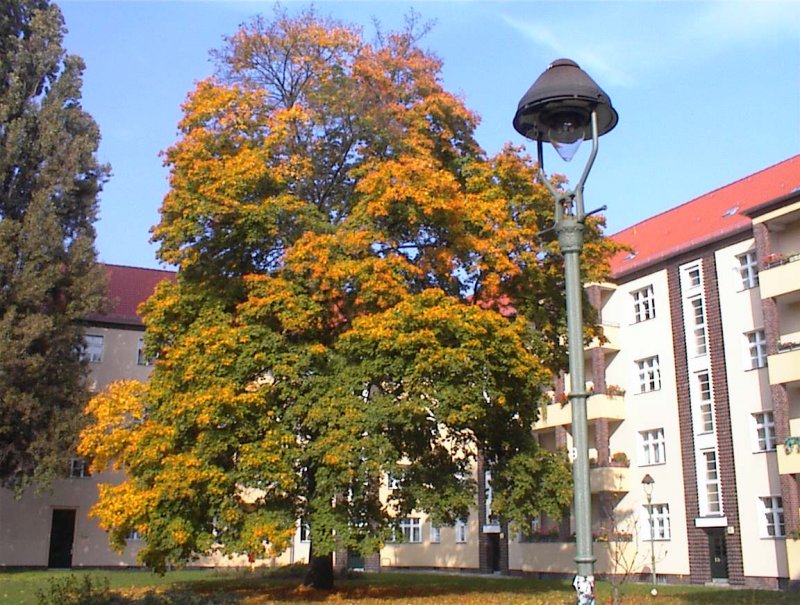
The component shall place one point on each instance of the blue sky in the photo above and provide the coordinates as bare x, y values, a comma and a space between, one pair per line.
707, 92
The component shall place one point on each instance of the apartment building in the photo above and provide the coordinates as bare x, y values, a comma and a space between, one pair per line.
696, 385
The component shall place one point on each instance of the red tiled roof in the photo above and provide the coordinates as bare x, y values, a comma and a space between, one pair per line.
707, 218
128, 287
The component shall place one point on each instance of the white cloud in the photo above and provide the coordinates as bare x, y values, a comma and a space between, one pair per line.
588, 56
623, 43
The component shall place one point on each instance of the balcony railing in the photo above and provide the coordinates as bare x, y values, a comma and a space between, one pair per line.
784, 366
789, 456
611, 333
610, 479
781, 275
599, 405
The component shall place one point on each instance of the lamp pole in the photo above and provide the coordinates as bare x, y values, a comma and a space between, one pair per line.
565, 106
647, 483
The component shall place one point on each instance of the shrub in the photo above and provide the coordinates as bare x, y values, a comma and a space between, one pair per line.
71, 590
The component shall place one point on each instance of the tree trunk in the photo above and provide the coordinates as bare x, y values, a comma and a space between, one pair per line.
320, 572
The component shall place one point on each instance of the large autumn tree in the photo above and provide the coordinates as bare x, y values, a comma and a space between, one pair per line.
49, 279
362, 294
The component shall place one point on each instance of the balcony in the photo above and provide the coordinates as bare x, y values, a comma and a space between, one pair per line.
611, 332
789, 456
781, 277
784, 366
597, 406
610, 479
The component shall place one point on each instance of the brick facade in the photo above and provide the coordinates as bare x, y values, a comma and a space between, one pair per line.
726, 466
699, 563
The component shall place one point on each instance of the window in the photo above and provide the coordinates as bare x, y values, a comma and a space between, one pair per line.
765, 431
692, 277
653, 451
134, 535
644, 304
713, 501
705, 405
649, 375
757, 348
78, 468
141, 357
461, 531
491, 518
435, 534
305, 532
657, 524
772, 522
94, 348
411, 529
530, 533
748, 269
698, 322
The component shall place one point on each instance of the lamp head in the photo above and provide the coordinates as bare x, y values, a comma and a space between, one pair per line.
647, 484
558, 108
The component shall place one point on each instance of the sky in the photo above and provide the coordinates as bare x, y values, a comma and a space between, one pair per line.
707, 92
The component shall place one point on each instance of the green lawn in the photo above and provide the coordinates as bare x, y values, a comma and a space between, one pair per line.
240, 588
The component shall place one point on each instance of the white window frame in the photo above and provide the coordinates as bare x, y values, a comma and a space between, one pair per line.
692, 277
411, 529
435, 534
644, 304
134, 536
748, 269
711, 497
95, 344
461, 531
756, 348
705, 402
304, 532
652, 447
78, 468
141, 359
697, 319
649, 373
491, 518
772, 521
764, 435
656, 519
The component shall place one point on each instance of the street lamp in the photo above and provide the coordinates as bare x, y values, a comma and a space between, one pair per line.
565, 107
647, 483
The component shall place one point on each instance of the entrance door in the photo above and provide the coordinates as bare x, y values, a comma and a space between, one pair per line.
62, 533
718, 554
355, 560
494, 552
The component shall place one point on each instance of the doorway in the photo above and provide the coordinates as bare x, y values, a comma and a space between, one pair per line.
62, 534
718, 554
494, 552
355, 560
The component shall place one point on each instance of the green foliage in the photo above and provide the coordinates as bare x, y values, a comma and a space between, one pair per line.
74, 590
49, 280
362, 294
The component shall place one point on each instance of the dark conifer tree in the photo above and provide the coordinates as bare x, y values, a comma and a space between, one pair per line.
49, 276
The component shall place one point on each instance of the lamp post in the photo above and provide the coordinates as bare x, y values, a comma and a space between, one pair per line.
565, 106
647, 483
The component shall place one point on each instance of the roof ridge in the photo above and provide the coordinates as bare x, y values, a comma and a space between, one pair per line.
135, 267
707, 194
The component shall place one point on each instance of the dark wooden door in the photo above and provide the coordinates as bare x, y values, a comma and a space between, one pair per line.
718, 554
62, 534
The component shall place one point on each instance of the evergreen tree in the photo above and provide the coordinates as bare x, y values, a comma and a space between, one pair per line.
49, 277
